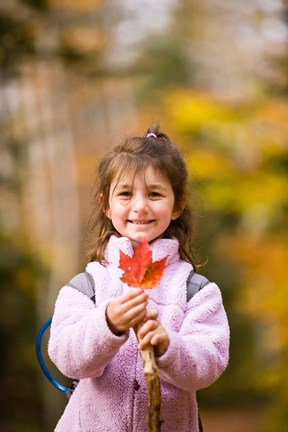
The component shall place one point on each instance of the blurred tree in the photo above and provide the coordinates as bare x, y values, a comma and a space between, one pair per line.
16, 43
279, 83
43, 86
39, 5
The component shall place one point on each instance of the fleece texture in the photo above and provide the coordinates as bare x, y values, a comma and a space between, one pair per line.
111, 395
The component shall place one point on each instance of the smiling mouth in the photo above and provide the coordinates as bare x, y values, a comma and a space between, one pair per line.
140, 222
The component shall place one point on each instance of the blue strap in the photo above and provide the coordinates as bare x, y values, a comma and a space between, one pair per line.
84, 283
41, 361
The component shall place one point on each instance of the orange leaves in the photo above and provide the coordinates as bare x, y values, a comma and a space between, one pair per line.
140, 271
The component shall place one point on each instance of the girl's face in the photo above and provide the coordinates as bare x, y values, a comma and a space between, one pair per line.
141, 206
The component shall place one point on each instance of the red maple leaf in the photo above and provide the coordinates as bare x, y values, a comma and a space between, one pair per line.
139, 270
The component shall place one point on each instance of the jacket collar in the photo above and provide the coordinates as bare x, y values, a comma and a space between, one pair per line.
160, 248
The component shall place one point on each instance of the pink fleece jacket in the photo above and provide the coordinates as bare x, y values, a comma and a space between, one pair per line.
111, 395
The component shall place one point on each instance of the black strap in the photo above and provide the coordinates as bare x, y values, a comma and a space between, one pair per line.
200, 424
195, 283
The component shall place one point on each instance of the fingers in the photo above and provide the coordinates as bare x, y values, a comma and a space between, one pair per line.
151, 315
132, 299
132, 306
152, 332
126, 311
131, 294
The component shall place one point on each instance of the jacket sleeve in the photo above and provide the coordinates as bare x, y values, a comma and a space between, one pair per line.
198, 354
81, 343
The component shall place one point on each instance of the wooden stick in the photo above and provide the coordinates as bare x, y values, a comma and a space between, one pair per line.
150, 369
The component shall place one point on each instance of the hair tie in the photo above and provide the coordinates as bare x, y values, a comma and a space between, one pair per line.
151, 134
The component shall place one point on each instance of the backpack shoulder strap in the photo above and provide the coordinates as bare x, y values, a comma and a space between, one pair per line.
84, 283
195, 283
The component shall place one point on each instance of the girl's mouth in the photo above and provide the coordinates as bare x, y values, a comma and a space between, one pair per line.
140, 222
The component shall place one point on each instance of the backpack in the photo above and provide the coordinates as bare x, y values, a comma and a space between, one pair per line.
84, 283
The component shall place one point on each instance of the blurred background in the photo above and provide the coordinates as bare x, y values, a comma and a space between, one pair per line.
75, 78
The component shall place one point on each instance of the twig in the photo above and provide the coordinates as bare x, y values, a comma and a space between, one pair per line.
150, 369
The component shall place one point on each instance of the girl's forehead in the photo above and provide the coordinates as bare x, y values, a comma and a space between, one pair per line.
146, 175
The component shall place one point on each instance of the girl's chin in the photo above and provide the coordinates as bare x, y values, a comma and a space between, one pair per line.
138, 241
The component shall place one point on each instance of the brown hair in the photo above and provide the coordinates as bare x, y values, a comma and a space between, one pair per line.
134, 155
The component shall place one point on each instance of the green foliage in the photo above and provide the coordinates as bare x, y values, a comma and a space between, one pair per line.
39, 5
163, 64
16, 42
20, 399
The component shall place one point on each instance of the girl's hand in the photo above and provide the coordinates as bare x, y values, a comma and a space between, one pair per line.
154, 333
126, 311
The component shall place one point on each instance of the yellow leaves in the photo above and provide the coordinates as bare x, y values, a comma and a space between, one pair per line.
235, 152
207, 165
191, 111
250, 134
273, 111
225, 186
242, 193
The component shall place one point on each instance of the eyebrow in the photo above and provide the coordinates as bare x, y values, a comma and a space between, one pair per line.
155, 186
149, 186
122, 186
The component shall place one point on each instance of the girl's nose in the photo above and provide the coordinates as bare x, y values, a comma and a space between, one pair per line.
140, 204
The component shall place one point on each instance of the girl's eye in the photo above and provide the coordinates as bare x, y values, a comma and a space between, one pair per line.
125, 194
154, 195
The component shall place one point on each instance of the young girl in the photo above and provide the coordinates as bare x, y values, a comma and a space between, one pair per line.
141, 194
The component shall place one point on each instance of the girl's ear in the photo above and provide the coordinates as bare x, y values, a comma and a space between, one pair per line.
178, 211
176, 214
107, 212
